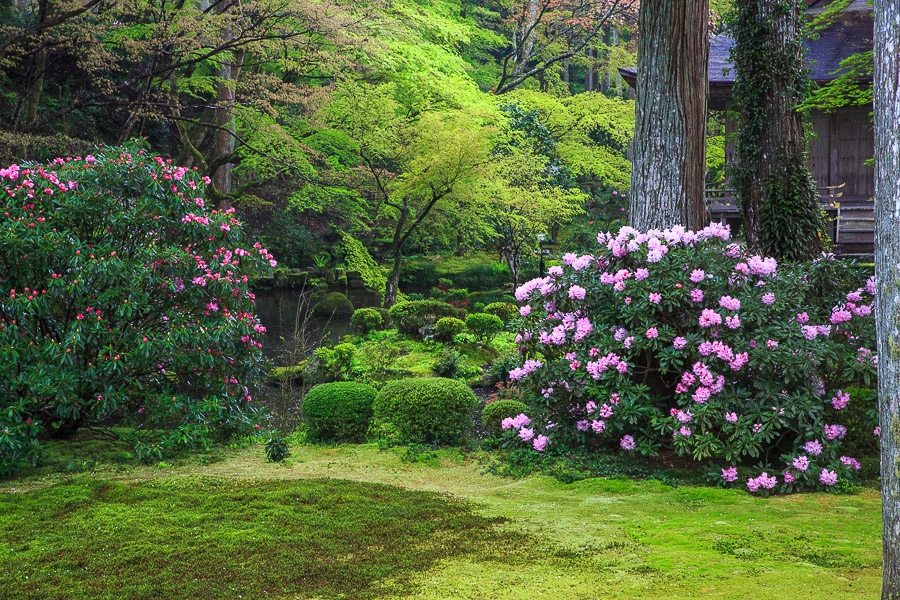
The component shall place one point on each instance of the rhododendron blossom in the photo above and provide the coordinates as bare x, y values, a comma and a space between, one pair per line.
744, 329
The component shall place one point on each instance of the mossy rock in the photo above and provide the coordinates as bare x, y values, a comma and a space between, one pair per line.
334, 303
293, 374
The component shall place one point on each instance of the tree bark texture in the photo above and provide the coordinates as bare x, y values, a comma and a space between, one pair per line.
887, 277
667, 178
225, 98
778, 195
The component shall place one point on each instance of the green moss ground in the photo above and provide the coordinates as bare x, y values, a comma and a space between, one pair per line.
242, 526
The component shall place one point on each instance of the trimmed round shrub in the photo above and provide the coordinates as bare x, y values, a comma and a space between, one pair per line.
413, 315
484, 326
365, 320
385, 317
448, 328
425, 410
334, 303
495, 412
339, 411
504, 310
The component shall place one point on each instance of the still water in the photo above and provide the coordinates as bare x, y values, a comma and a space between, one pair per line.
278, 312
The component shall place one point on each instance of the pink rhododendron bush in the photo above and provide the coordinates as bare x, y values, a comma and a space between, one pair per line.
682, 341
123, 302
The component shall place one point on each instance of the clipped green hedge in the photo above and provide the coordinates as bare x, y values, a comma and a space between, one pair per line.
365, 320
339, 411
385, 315
484, 326
504, 310
494, 413
426, 410
411, 316
448, 328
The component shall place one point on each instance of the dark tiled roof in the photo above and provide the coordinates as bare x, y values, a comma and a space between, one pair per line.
850, 34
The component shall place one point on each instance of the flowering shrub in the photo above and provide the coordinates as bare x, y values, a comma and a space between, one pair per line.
680, 340
123, 301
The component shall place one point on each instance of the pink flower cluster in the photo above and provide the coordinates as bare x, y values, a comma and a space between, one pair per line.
762, 481
526, 369
840, 399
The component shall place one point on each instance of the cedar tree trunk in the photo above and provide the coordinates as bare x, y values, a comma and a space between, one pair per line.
777, 193
667, 178
887, 262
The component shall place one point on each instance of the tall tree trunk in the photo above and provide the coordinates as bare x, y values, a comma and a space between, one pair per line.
607, 42
224, 139
778, 195
667, 186
887, 259
33, 99
393, 283
527, 35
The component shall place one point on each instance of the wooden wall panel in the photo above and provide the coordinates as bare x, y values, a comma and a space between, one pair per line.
820, 148
855, 144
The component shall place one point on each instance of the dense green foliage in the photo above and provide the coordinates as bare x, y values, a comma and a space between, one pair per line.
339, 411
484, 326
373, 131
504, 310
124, 302
494, 413
277, 448
365, 320
334, 364
426, 409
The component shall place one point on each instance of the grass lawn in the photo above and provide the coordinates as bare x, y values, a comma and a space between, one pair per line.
356, 522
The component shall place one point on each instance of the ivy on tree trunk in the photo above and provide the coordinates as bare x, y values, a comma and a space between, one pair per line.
667, 179
778, 195
887, 277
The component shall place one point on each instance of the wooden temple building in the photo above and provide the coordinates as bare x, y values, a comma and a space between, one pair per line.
844, 138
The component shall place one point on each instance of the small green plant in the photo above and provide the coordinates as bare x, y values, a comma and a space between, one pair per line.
380, 357
366, 320
426, 410
448, 363
339, 411
448, 328
485, 327
320, 261
277, 448
335, 364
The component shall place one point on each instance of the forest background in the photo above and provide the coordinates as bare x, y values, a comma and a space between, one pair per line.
416, 127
